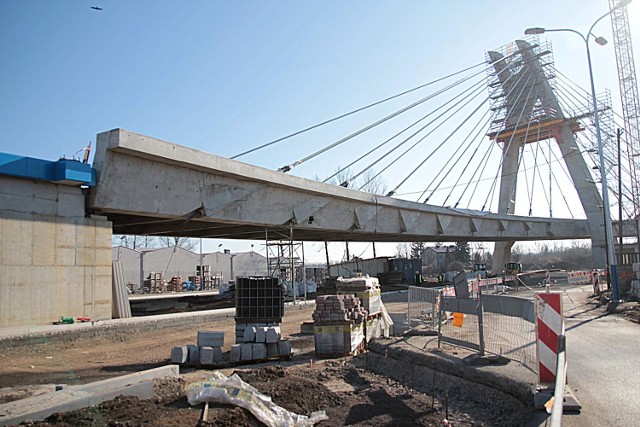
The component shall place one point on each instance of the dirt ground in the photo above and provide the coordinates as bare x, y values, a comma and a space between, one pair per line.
349, 393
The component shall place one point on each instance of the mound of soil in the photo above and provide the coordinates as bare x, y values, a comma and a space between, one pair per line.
349, 394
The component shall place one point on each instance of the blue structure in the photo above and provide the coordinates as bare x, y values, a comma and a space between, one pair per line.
63, 171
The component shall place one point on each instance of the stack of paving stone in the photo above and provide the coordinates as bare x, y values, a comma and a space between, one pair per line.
338, 325
175, 284
335, 308
364, 287
207, 352
260, 343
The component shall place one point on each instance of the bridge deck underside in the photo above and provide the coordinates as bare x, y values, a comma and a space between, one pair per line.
151, 187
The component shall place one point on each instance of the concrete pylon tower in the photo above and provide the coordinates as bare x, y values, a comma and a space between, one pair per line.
530, 112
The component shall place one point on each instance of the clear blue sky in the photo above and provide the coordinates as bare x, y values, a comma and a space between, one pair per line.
224, 76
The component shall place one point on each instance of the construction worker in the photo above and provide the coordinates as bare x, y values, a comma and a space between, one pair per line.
419, 278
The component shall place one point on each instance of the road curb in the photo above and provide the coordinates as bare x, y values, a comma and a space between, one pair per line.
39, 407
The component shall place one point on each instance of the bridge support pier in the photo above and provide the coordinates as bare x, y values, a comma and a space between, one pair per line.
526, 89
501, 256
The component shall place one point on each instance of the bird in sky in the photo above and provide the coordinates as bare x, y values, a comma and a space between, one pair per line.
96, 8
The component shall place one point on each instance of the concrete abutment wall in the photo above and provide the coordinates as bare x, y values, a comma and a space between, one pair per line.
54, 261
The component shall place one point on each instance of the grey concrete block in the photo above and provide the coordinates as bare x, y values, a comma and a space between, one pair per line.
259, 351
179, 354
236, 353
206, 355
250, 334
272, 350
217, 354
210, 339
261, 334
194, 354
284, 348
246, 352
273, 334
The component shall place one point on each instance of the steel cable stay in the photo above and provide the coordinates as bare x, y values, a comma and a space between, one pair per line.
494, 115
484, 164
484, 121
480, 142
449, 187
341, 116
392, 138
535, 170
437, 148
583, 100
370, 166
477, 89
626, 193
356, 111
544, 189
512, 191
609, 155
506, 149
440, 145
563, 167
488, 152
287, 168
475, 170
491, 193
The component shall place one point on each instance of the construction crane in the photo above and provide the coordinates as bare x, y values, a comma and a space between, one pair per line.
628, 95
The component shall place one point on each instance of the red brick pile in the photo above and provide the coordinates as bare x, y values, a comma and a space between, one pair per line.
332, 308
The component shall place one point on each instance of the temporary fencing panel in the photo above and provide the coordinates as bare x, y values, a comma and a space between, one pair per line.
495, 324
469, 334
509, 328
423, 307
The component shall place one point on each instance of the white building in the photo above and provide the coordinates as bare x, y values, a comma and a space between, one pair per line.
176, 261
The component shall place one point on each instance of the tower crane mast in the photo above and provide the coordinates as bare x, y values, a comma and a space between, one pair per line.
628, 94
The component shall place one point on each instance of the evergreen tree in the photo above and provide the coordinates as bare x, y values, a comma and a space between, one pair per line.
417, 248
462, 252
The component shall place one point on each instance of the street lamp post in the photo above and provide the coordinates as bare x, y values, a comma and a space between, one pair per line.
611, 260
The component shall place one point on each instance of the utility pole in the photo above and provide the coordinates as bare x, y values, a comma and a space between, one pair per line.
621, 252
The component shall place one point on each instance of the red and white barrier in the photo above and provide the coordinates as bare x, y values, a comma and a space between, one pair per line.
579, 277
547, 278
549, 325
596, 282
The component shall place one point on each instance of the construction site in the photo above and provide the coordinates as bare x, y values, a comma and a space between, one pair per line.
100, 326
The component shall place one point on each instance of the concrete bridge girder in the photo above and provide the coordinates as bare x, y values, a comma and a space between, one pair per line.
151, 187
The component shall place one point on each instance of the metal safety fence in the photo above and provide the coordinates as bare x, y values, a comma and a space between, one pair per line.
509, 328
495, 324
423, 308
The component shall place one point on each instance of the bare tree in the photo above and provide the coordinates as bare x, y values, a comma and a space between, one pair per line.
373, 184
135, 242
187, 243
403, 250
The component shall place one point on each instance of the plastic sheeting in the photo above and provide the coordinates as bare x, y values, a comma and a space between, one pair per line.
311, 286
232, 390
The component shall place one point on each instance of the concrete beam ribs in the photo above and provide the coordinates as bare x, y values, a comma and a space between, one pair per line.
237, 200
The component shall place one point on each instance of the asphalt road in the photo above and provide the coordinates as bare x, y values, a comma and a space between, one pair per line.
603, 359
603, 354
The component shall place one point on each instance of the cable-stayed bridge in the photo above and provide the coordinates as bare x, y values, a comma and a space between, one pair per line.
452, 161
